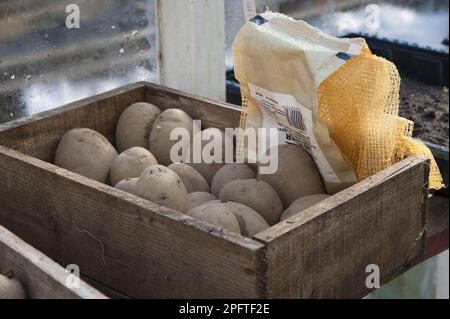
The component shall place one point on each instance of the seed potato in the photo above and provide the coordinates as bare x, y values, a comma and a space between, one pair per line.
163, 186
228, 173
255, 194
11, 288
128, 185
301, 204
86, 152
134, 125
199, 198
208, 170
192, 180
131, 163
250, 222
216, 213
159, 142
297, 175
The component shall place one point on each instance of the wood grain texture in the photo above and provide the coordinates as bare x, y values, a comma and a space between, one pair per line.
323, 252
191, 55
135, 247
212, 113
38, 135
129, 244
42, 278
108, 291
130, 247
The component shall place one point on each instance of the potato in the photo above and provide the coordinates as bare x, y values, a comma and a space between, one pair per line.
163, 186
159, 142
128, 185
134, 125
192, 180
86, 152
208, 170
301, 204
131, 164
11, 288
228, 173
297, 175
216, 213
257, 195
250, 222
199, 198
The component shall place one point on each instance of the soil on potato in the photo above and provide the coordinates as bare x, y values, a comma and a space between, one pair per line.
427, 106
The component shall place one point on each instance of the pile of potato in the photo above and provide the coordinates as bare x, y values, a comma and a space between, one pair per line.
231, 196
11, 288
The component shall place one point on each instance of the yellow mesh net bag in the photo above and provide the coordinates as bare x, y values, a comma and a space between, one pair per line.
364, 122
332, 96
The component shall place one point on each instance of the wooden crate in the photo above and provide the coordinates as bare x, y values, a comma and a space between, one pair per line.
139, 249
42, 278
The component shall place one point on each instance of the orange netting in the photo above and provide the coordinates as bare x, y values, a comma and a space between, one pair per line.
364, 122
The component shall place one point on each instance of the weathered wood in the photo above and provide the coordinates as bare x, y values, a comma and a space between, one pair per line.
323, 252
41, 277
108, 291
190, 46
212, 113
130, 247
129, 244
38, 135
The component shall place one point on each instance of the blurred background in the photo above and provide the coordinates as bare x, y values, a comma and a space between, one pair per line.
44, 65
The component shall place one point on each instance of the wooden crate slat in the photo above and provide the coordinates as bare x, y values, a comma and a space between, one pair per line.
131, 247
42, 278
39, 135
129, 244
323, 253
212, 113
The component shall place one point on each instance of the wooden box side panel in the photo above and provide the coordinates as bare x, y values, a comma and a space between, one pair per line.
212, 113
324, 252
42, 278
129, 244
39, 135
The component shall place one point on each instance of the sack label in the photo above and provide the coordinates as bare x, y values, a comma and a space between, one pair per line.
294, 122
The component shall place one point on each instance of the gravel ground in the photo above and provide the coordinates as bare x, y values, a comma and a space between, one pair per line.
428, 107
